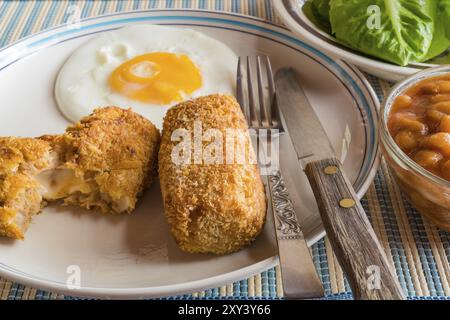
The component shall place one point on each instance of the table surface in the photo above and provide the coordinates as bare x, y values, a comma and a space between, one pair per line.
419, 251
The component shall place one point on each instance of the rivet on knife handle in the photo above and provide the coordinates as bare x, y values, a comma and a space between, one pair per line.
352, 237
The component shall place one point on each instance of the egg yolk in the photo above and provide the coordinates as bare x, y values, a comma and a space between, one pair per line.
158, 78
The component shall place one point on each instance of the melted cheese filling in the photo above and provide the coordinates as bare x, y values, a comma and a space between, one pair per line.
60, 183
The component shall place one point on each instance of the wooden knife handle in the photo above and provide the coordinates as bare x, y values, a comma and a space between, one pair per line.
370, 275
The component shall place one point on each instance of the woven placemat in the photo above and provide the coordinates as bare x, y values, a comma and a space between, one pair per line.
418, 250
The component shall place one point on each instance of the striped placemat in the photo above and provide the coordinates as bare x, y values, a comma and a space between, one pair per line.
418, 250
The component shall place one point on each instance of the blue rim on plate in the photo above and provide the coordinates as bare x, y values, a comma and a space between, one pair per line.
354, 82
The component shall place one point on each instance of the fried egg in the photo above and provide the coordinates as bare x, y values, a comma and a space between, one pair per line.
147, 68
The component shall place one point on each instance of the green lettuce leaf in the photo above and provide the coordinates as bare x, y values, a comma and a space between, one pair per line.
445, 16
323, 9
441, 36
318, 12
441, 59
445, 7
404, 35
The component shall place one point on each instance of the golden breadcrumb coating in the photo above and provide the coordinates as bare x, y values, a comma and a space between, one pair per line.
105, 161
113, 156
20, 194
25, 154
210, 208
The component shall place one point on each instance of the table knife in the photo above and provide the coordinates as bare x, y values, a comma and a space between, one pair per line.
353, 239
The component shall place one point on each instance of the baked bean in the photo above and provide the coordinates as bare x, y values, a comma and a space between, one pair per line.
445, 169
403, 102
412, 125
440, 98
428, 159
434, 115
445, 124
443, 107
444, 87
439, 141
430, 88
406, 140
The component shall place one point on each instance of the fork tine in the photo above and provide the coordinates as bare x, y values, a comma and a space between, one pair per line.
260, 113
240, 92
239, 88
251, 99
273, 114
264, 114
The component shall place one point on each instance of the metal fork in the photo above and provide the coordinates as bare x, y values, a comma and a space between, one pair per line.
299, 276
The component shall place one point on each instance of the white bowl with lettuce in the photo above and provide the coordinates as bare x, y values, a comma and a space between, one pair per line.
390, 39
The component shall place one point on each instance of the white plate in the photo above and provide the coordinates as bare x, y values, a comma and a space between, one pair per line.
290, 12
134, 256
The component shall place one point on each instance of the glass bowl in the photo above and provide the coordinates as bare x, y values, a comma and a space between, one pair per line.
428, 193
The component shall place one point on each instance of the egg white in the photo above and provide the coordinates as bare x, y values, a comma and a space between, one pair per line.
82, 83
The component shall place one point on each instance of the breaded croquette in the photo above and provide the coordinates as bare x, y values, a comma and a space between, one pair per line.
210, 208
104, 162
21, 159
